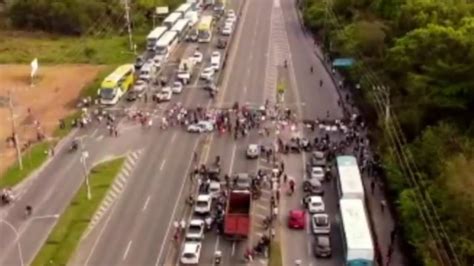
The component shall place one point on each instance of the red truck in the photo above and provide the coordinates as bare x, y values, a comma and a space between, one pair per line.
237, 215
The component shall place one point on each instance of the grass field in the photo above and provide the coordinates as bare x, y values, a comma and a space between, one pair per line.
67, 233
23, 48
32, 160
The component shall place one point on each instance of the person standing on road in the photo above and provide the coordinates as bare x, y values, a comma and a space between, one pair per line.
311, 69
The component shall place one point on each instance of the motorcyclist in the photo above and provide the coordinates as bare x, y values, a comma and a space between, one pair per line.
28, 210
217, 162
286, 63
217, 257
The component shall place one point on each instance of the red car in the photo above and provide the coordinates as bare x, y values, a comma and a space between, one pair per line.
297, 219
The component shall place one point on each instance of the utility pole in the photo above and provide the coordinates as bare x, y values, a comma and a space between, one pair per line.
83, 158
129, 25
14, 133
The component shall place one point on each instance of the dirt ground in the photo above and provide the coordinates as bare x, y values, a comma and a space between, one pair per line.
38, 108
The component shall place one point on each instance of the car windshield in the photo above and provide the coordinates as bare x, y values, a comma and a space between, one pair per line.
189, 255
194, 229
107, 93
201, 203
321, 221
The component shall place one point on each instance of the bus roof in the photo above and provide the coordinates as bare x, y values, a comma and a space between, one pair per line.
157, 32
205, 23
112, 79
356, 226
166, 38
350, 180
183, 8
180, 24
172, 18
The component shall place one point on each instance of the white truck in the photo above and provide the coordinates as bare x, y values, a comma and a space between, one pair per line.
185, 70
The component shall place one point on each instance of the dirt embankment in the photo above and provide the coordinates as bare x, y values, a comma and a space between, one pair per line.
38, 108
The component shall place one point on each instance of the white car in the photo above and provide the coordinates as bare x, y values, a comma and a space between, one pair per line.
191, 253
215, 189
164, 95
231, 15
315, 204
197, 57
320, 223
229, 24
208, 73
139, 86
177, 87
195, 230
200, 127
216, 60
317, 173
203, 204
226, 31
253, 151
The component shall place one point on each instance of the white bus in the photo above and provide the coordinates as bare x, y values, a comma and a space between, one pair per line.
356, 235
165, 45
184, 8
349, 181
171, 19
181, 27
154, 35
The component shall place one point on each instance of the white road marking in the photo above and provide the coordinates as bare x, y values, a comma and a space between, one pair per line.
162, 164
216, 247
183, 182
173, 138
127, 250
146, 203
233, 249
245, 89
93, 132
99, 138
232, 159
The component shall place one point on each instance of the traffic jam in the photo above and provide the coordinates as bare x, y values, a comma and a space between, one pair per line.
223, 203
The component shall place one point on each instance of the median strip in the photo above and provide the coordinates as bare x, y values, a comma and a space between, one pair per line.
67, 233
275, 254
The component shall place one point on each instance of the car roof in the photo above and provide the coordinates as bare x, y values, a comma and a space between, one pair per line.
316, 199
215, 184
190, 247
196, 222
297, 213
203, 197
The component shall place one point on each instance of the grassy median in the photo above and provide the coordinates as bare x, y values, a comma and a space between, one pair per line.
33, 158
67, 233
275, 254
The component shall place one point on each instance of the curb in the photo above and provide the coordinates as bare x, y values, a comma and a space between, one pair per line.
114, 191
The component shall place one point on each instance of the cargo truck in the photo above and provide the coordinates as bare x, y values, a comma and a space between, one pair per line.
237, 215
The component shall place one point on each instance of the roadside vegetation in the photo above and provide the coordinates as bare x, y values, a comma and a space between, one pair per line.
33, 158
422, 51
66, 235
74, 31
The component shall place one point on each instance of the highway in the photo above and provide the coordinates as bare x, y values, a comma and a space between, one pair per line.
246, 83
137, 229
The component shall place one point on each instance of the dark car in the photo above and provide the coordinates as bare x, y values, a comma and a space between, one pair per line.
318, 158
221, 44
133, 96
322, 246
243, 181
192, 36
313, 187
139, 62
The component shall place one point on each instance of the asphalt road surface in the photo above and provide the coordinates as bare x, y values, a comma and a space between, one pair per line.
137, 229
